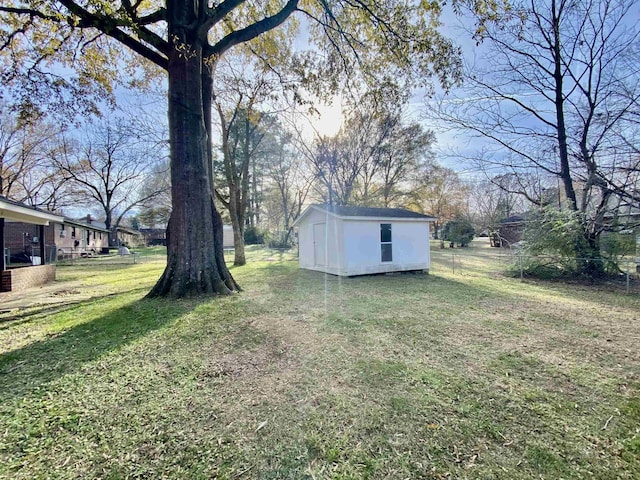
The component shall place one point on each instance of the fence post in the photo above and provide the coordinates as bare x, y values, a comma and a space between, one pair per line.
520, 261
628, 273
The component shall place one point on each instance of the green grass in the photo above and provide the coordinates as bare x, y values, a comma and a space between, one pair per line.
307, 376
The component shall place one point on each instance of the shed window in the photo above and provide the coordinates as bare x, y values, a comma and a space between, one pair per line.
386, 251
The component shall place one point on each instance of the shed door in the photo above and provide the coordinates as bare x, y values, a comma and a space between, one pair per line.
320, 244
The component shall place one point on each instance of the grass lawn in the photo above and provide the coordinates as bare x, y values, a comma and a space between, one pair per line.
305, 375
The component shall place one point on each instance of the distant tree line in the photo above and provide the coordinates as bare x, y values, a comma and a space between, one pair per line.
108, 167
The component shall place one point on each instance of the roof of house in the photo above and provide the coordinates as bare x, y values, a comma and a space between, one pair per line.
366, 212
21, 212
93, 225
130, 231
513, 219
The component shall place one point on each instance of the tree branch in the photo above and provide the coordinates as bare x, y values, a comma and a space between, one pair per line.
252, 31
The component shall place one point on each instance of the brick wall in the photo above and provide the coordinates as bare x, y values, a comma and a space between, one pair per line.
14, 236
18, 279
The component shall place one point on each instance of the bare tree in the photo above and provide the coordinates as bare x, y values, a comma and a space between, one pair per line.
374, 154
157, 212
553, 94
496, 199
438, 191
335, 171
407, 148
288, 179
109, 169
243, 123
26, 147
46, 187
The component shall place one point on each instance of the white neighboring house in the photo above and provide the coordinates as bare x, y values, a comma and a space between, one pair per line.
350, 241
80, 237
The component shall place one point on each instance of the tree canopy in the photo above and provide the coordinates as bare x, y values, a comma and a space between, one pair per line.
110, 169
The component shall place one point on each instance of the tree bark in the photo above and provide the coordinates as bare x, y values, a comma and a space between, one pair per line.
236, 212
218, 244
558, 77
239, 258
193, 266
242, 195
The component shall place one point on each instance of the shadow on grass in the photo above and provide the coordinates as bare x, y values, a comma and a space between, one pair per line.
29, 314
32, 366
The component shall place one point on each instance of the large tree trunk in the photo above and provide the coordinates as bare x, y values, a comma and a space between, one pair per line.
195, 262
587, 252
237, 223
589, 261
108, 220
112, 235
207, 106
239, 258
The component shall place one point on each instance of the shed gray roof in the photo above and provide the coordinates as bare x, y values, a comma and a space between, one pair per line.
368, 212
349, 211
130, 231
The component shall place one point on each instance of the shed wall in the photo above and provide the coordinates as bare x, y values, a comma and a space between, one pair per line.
121, 237
410, 246
333, 243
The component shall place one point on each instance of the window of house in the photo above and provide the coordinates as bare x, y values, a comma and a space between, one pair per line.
73, 232
386, 251
100, 235
94, 234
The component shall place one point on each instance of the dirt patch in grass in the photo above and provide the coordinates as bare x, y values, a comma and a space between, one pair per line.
252, 363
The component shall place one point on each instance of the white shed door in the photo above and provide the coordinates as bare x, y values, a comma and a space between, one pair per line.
320, 244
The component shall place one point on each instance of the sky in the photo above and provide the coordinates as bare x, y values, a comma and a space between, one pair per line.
331, 118
453, 26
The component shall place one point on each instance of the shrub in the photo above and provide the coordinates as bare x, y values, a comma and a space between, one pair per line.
616, 245
458, 231
279, 240
555, 245
253, 236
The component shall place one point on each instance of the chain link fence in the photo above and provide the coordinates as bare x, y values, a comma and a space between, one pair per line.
114, 257
514, 264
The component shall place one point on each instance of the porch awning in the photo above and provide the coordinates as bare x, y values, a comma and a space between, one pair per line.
19, 212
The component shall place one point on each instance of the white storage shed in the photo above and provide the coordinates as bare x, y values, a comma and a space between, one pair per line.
351, 241
227, 236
